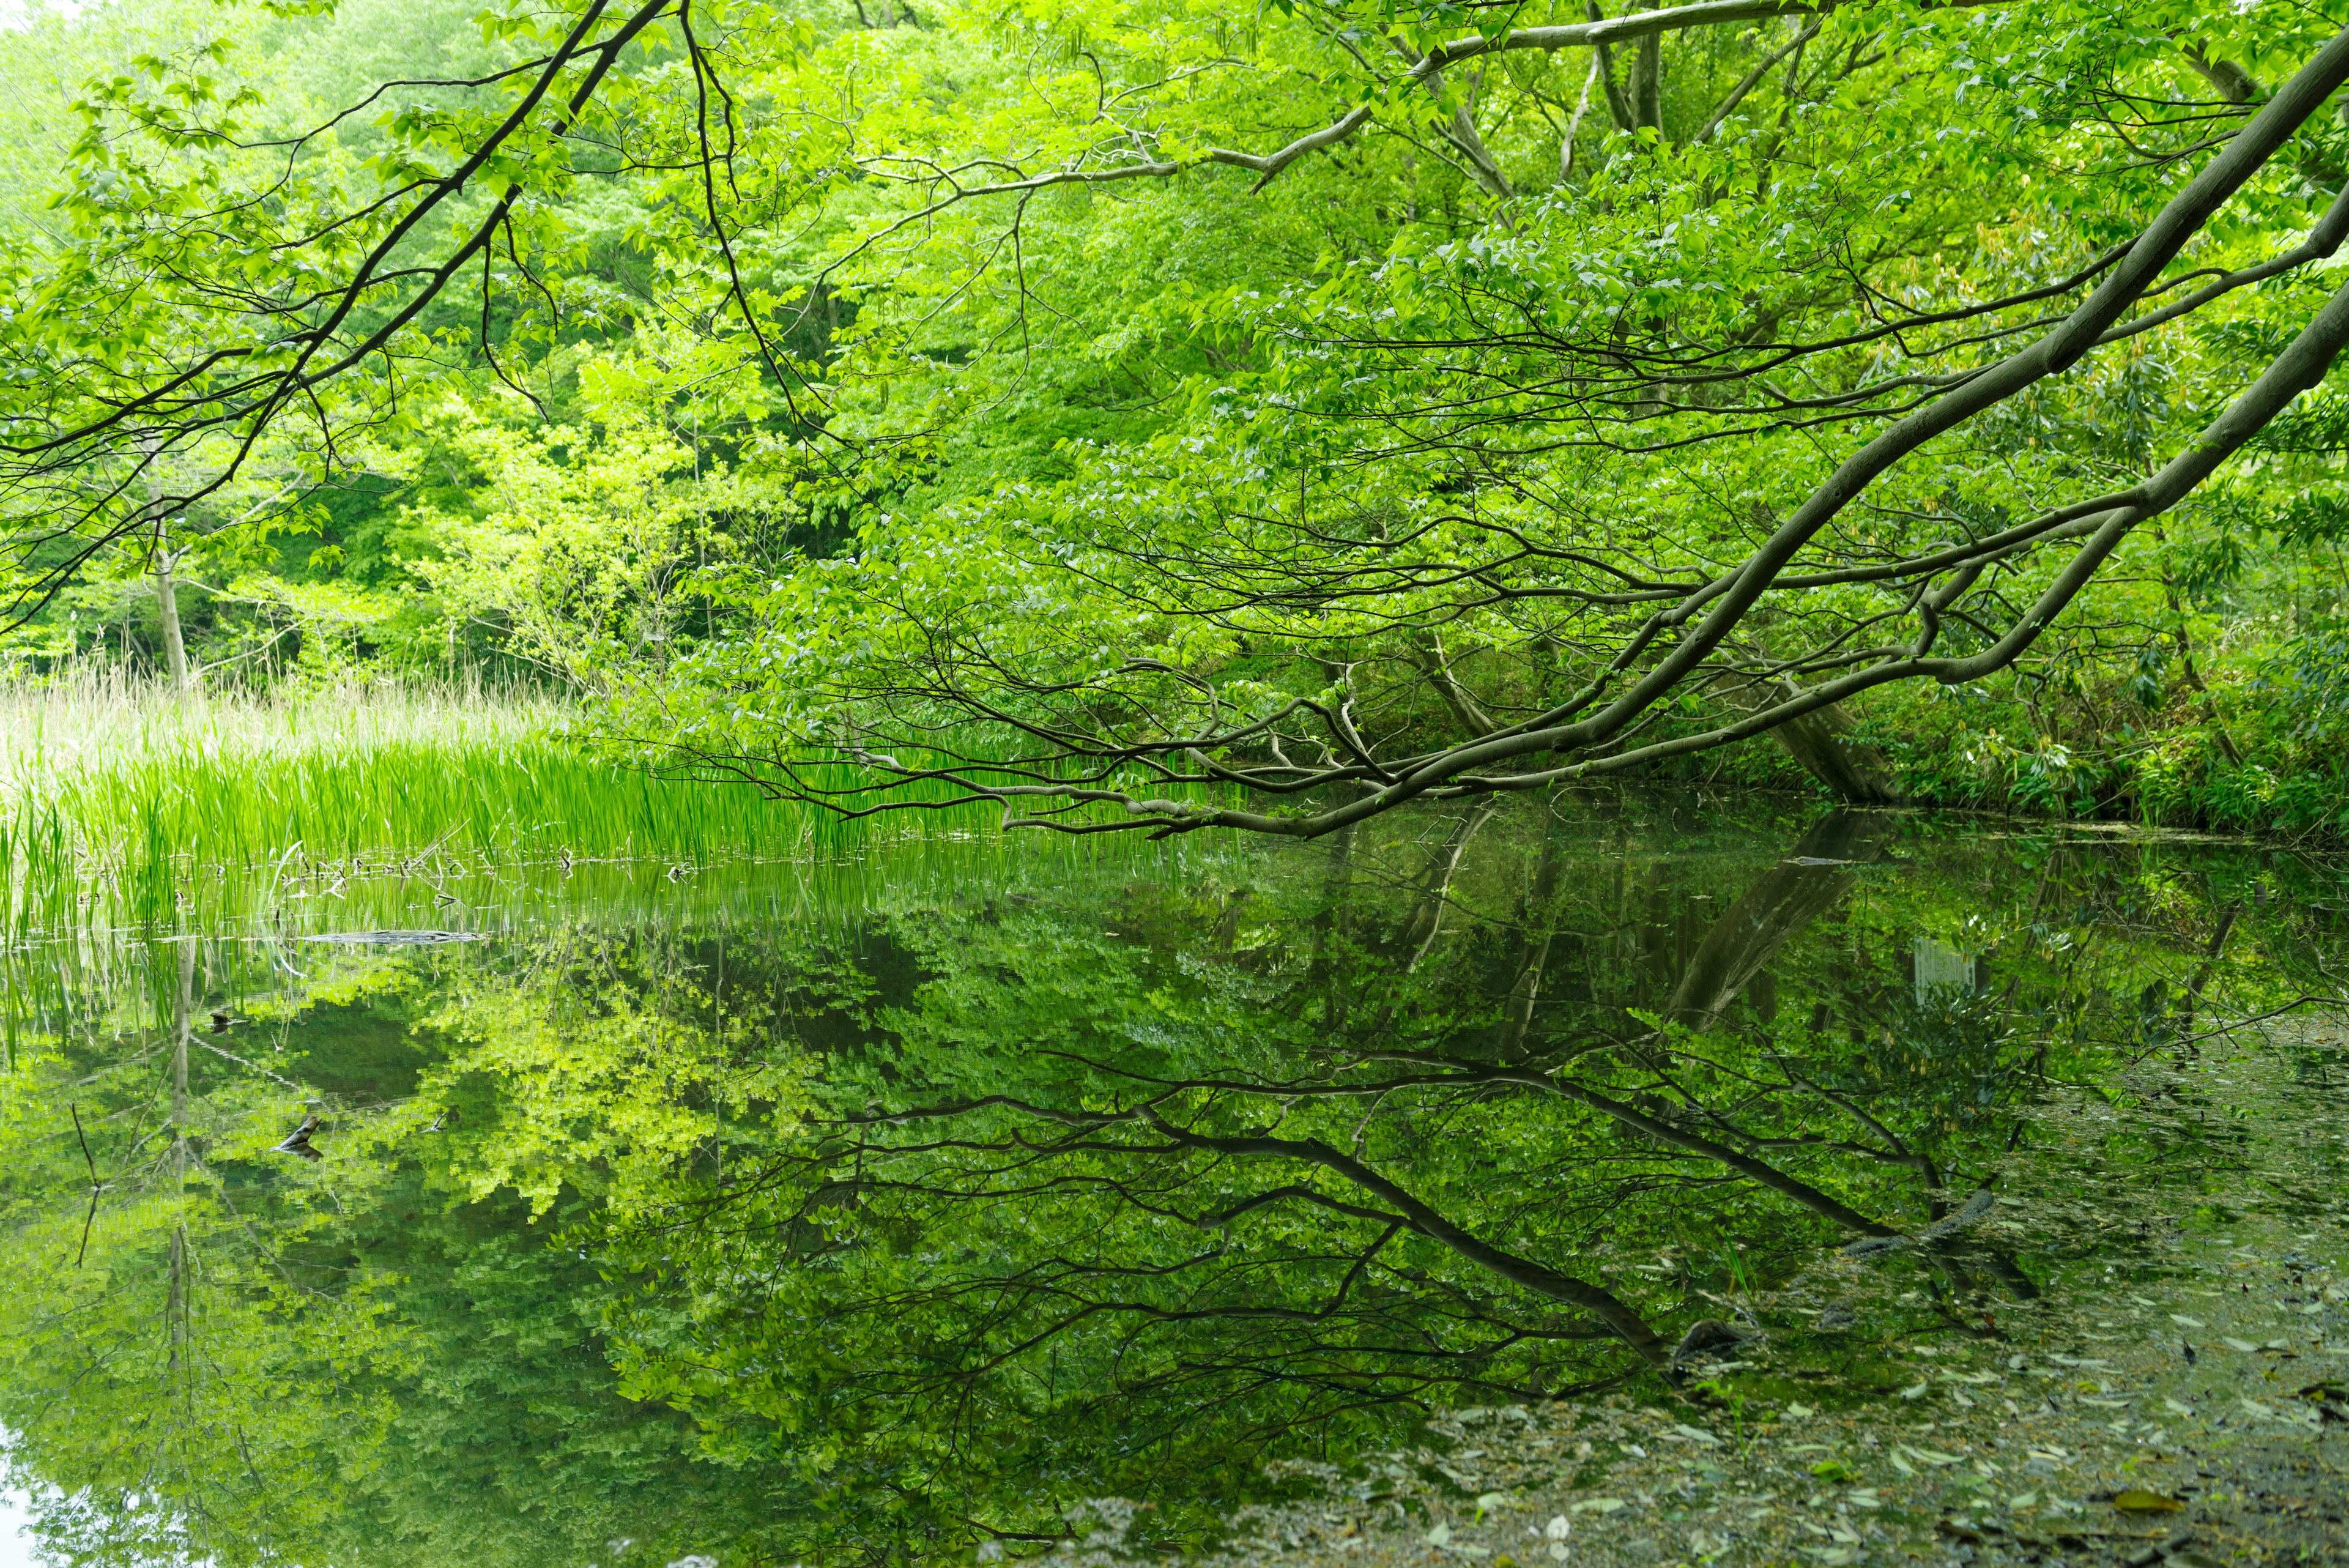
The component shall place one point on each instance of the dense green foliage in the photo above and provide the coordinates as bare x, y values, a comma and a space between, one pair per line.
1134, 393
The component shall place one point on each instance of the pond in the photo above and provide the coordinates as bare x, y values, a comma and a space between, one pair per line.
901, 1207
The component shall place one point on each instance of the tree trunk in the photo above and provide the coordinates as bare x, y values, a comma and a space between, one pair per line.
167, 595
184, 1007
1647, 82
1426, 920
1818, 739
1856, 773
1618, 104
1540, 929
167, 607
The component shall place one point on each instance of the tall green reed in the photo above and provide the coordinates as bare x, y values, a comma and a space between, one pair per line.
120, 805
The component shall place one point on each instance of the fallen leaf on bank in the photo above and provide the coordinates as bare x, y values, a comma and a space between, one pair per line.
2136, 1500
1597, 1505
1915, 1393
1799, 1412
1696, 1435
1903, 1466
2242, 1345
2174, 1407
1440, 1534
2181, 1319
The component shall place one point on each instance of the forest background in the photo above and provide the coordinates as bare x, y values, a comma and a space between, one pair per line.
844, 376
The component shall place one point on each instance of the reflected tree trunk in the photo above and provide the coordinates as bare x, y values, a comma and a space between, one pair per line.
1335, 881
176, 1303
1541, 928
1811, 881
2201, 979
1410, 1209
1426, 919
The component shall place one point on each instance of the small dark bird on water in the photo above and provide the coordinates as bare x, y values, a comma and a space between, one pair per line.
298, 1141
220, 1021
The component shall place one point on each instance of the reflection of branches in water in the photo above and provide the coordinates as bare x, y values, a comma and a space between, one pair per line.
1086, 1168
1379, 1147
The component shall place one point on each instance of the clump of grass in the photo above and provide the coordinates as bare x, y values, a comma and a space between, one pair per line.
119, 788
95, 720
120, 804
505, 798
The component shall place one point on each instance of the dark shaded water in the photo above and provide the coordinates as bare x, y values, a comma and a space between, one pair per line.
879, 1213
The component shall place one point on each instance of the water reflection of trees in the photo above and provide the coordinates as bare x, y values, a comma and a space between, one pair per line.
1141, 1177
917, 1220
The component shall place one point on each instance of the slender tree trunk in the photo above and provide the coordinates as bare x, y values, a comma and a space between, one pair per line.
167, 595
182, 1006
2185, 645
2200, 978
1426, 920
167, 606
1618, 104
1540, 929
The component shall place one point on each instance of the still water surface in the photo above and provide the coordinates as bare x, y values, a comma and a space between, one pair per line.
875, 1212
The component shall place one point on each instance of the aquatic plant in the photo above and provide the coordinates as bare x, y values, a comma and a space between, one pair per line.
118, 802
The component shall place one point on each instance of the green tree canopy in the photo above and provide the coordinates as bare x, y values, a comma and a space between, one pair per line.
1339, 407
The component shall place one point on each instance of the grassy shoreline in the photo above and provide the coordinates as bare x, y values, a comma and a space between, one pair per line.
112, 793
